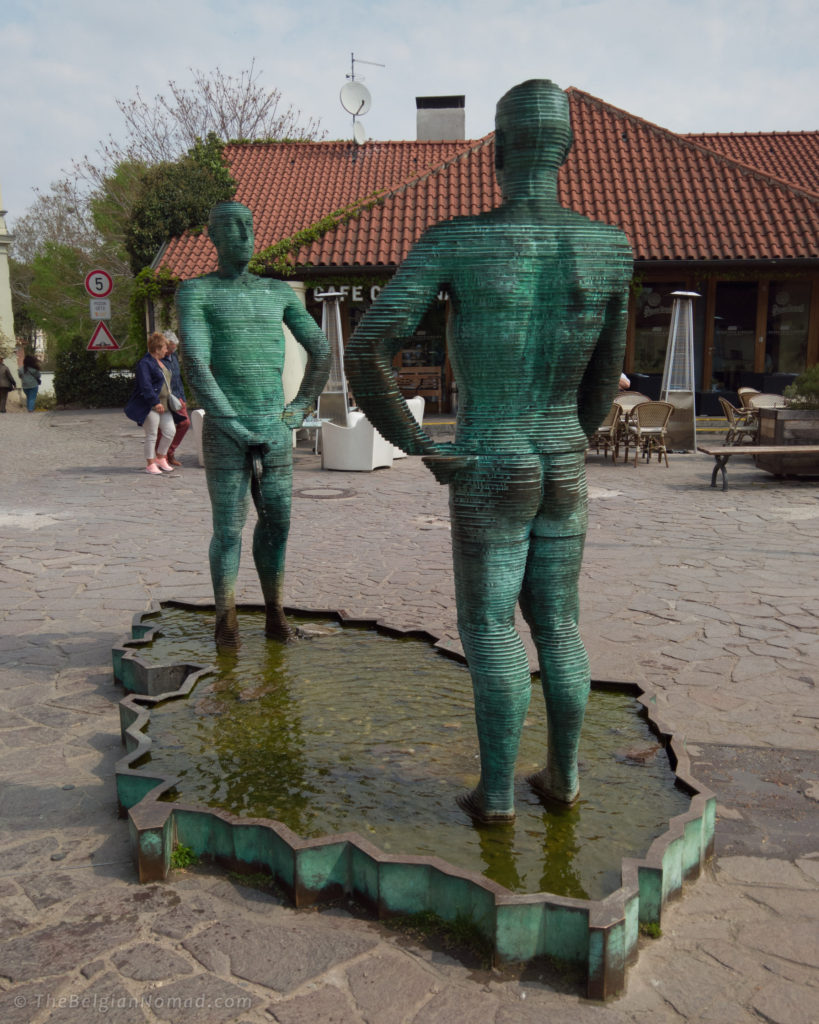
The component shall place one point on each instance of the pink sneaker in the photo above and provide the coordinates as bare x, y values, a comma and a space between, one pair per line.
152, 468
163, 464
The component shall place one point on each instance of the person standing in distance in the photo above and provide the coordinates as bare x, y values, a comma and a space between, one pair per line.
180, 416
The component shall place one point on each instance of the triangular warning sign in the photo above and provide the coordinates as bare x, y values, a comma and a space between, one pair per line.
102, 340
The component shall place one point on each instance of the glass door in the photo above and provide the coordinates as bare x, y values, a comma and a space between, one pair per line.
786, 337
734, 333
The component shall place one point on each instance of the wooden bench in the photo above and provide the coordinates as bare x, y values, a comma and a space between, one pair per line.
426, 381
722, 453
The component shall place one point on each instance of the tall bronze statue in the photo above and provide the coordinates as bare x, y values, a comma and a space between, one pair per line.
538, 303
233, 350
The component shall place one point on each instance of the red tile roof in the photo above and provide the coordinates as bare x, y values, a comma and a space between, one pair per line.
675, 198
790, 156
382, 236
291, 185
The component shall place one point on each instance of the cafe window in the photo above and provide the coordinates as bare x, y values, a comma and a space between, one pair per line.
734, 333
786, 336
652, 321
419, 363
427, 347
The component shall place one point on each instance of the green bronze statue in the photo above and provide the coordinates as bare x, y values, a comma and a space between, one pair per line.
233, 348
538, 305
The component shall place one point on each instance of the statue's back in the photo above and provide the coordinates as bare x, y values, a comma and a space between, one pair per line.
529, 298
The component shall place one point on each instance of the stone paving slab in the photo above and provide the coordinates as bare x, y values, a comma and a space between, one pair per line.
709, 597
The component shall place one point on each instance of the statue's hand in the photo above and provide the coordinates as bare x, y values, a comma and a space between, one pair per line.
232, 428
447, 462
293, 415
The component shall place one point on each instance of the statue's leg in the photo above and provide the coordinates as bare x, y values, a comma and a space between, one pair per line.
550, 605
491, 511
273, 502
228, 482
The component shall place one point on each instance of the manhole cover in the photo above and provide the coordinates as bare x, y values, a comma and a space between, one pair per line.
325, 492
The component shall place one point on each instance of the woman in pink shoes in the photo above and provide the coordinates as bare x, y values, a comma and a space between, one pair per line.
149, 405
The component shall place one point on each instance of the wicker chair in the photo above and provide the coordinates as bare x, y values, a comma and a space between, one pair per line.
607, 434
745, 396
647, 430
628, 400
742, 423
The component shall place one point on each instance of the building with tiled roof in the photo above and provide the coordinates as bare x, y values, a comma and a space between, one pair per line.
733, 217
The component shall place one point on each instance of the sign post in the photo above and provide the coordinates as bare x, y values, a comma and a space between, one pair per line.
102, 340
99, 284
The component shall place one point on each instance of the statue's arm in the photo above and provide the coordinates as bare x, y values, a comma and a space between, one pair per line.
196, 346
599, 384
383, 330
306, 332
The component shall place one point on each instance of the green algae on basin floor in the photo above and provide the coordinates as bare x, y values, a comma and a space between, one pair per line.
349, 730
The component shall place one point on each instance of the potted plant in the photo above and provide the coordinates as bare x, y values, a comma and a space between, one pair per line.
797, 423
804, 392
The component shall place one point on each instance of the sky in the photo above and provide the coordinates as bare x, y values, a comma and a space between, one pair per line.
688, 65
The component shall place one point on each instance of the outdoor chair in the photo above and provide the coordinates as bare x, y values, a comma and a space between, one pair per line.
628, 400
333, 406
608, 433
647, 430
197, 417
745, 396
357, 447
416, 407
742, 423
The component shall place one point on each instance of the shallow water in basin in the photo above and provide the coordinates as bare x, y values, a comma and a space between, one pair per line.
354, 731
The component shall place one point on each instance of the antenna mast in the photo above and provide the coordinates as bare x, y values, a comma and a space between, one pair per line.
355, 97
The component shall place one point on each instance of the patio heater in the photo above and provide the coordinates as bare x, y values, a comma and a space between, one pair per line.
333, 399
678, 375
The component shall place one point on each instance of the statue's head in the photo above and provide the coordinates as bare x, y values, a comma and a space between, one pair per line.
532, 129
230, 227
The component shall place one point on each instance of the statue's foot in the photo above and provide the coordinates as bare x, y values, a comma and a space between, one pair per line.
227, 630
276, 626
546, 784
474, 804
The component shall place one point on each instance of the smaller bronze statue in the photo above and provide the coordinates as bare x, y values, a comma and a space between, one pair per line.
536, 333
233, 350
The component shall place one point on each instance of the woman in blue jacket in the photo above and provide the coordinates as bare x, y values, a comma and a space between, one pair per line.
149, 405
30, 380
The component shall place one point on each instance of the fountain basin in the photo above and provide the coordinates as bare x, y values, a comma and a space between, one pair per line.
599, 933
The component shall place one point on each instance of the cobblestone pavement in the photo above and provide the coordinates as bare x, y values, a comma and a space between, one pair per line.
711, 598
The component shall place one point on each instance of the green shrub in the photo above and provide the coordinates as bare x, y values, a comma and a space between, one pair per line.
45, 402
85, 379
183, 857
804, 392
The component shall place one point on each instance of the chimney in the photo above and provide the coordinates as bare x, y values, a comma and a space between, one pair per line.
440, 118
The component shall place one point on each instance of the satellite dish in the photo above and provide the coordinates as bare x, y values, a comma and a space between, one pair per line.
359, 134
355, 98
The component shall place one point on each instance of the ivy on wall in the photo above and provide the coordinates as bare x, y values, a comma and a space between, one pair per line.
279, 259
159, 286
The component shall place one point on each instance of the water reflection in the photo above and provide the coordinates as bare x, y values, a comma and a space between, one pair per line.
354, 731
